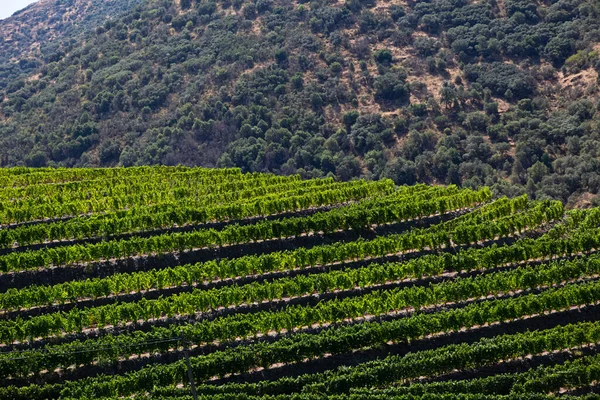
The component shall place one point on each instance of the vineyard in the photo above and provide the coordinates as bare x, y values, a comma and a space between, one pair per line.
158, 282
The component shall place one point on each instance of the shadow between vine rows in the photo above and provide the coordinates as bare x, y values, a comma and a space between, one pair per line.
589, 313
101, 269
546, 321
273, 305
267, 277
162, 231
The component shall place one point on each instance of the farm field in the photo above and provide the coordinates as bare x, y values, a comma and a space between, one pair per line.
121, 283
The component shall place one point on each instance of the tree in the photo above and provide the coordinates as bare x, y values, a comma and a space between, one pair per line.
447, 94
350, 118
477, 121
559, 49
391, 86
384, 56
518, 173
336, 67
281, 56
348, 168
37, 159
501, 77
401, 171
316, 100
537, 172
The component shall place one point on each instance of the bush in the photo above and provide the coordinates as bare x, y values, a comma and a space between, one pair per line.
336, 67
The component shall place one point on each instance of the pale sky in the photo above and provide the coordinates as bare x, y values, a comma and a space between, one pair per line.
8, 7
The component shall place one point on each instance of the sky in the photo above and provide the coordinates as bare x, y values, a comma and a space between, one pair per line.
8, 7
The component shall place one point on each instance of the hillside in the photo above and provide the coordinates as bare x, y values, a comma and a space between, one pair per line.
47, 30
498, 93
279, 288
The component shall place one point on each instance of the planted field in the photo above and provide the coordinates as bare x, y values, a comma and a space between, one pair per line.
282, 288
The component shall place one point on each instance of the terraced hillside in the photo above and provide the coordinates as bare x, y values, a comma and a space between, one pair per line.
282, 288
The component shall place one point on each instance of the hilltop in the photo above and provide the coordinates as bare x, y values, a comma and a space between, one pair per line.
501, 93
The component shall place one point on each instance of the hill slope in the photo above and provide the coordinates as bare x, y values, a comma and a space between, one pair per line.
502, 93
44, 31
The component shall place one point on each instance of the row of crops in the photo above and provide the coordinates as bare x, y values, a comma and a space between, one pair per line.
136, 282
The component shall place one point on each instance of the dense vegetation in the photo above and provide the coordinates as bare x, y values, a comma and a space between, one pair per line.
496, 93
46, 31
283, 288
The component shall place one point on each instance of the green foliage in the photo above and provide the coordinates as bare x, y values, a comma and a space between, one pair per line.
383, 56
392, 87
500, 78
460, 69
261, 270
